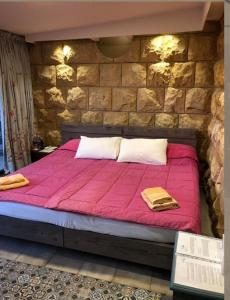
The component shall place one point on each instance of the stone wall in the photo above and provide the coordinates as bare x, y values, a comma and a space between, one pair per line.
215, 152
162, 81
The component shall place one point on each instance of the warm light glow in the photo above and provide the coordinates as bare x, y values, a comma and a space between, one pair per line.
67, 51
165, 45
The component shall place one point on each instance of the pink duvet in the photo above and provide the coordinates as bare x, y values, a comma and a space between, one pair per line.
109, 189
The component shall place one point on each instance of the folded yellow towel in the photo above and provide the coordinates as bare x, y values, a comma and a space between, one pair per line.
12, 182
158, 199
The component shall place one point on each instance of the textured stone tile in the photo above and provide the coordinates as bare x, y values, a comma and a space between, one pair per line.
100, 98
196, 121
110, 74
77, 98
164, 120
164, 47
124, 99
44, 75
182, 75
133, 53
159, 74
141, 119
150, 100
68, 116
88, 75
202, 47
36, 254
133, 74
92, 117
116, 118
66, 75
219, 73
52, 53
133, 275
66, 260
198, 100
174, 100
35, 52
53, 137
204, 76
55, 98
39, 98
98, 267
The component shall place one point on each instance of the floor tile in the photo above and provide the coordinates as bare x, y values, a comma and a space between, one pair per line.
98, 267
11, 248
36, 254
133, 275
66, 260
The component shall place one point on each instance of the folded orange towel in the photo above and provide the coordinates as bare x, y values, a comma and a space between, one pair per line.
158, 199
13, 181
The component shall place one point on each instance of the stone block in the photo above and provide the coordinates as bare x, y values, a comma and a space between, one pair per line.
133, 53
46, 118
35, 53
159, 74
110, 75
92, 117
88, 75
198, 100
217, 104
116, 118
53, 137
133, 74
44, 75
124, 99
86, 51
39, 98
163, 48
52, 53
163, 120
55, 98
66, 75
174, 100
204, 74
220, 45
68, 116
77, 98
202, 47
100, 98
141, 119
182, 75
196, 121
150, 100
219, 73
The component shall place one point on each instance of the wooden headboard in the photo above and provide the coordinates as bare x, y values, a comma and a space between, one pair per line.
174, 135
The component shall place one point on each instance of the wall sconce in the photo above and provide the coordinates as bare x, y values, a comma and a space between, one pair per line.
67, 52
114, 46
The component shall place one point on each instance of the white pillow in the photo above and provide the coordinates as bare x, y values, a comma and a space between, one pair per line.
145, 151
98, 148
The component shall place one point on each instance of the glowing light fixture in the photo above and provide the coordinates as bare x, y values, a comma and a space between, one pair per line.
67, 52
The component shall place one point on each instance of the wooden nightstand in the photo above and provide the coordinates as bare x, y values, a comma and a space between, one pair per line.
38, 154
196, 271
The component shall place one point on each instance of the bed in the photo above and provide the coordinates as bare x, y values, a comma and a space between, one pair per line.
133, 236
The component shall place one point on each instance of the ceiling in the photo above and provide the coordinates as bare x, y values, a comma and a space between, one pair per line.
71, 20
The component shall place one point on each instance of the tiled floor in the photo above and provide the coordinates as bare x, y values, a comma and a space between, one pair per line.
91, 265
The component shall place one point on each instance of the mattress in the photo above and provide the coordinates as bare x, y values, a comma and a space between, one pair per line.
89, 223
110, 190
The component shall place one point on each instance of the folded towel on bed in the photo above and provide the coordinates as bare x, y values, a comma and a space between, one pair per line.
158, 199
13, 181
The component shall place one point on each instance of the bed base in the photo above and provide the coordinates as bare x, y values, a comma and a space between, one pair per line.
133, 250
139, 251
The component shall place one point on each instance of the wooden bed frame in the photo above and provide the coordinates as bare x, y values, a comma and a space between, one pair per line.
133, 250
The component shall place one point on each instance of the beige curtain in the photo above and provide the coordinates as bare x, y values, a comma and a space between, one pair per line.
16, 101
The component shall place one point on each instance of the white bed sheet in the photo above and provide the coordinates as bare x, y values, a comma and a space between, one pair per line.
85, 222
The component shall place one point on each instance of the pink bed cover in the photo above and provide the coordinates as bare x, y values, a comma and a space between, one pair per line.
108, 189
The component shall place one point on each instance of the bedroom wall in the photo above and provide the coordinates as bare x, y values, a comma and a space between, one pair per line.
162, 81
215, 154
